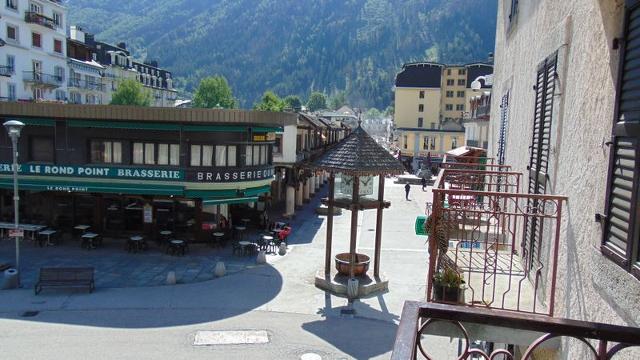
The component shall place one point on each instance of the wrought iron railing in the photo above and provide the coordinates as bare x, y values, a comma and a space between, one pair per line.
523, 336
36, 18
84, 84
482, 236
42, 79
6, 70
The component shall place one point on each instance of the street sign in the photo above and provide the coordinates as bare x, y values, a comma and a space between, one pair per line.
16, 233
420, 225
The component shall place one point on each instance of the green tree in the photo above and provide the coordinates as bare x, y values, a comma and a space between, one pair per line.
389, 111
293, 102
317, 101
338, 100
270, 102
373, 113
131, 92
214, 91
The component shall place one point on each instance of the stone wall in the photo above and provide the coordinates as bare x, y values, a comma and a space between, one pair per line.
590, 287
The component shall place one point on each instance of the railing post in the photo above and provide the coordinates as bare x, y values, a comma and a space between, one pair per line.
433, 245
556, 245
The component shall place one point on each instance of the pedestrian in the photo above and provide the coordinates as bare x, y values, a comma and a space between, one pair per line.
424, 182
406, 190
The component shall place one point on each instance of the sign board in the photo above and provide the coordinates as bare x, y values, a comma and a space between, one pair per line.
148, 214
421, 222
16, 233
259, 137
95, 171
271, 136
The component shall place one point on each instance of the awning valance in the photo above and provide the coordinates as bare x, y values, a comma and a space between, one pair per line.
230, 201
93, 187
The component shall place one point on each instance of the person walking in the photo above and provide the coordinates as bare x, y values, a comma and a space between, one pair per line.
407, 188
424, 182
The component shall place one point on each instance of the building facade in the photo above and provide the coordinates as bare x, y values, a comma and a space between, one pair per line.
564, 112
33, 64
178, 169
476, 125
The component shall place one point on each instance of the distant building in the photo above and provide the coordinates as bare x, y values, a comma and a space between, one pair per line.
476, 125
33, 62
86, 84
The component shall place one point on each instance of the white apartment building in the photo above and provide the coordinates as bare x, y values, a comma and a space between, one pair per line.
33, 62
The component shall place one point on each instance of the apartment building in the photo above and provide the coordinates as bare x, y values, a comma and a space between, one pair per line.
86, 85
33, 64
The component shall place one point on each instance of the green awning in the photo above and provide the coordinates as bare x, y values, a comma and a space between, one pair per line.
38, 122
141, 125
207, 194
230, 201
91, 187
267, 129
257, 191
214, 128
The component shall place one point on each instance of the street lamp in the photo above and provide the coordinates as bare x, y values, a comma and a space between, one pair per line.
14, 127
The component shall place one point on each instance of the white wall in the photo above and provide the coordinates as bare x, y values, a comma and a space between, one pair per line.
288, 154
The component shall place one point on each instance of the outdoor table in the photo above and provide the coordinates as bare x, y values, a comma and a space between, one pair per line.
241, 230
48, 234
176, 246
136, 243
218, 238
88, 240
245, 222
165, 235
82, 228
244, 245
30, 228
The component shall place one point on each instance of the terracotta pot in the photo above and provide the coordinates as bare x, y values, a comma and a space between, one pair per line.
360, 267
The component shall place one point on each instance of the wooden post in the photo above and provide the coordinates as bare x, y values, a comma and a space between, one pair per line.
376, 256
327, 257
355, 197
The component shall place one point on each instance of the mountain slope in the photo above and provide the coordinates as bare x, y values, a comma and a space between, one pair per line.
294, 46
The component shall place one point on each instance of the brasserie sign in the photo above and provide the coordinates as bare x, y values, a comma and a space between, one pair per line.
231, 175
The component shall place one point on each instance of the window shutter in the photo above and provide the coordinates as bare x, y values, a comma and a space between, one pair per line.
621, 235
539, 155
504, 113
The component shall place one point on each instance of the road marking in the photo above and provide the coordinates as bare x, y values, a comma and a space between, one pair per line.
208, 337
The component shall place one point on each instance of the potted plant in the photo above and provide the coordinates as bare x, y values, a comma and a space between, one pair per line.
448, 286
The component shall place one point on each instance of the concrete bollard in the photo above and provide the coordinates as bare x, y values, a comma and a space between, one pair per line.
219, 269
352, 288
262, 257
171, 278
282, 249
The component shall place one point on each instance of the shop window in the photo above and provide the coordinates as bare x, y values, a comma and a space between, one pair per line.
41, 149
201, 155
107, 152
169, 154
248, 155
144, 153
225, 155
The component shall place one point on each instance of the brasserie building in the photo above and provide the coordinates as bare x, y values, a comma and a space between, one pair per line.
123, 169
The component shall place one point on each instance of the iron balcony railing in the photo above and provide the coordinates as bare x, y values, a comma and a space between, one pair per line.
498, 334
6, 70
36, 18
84, 84
503, 244
42, 79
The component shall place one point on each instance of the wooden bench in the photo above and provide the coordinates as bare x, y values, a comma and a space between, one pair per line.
65, 277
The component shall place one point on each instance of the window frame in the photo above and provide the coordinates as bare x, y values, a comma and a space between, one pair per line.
11, 5
420, 107
33, 37
421, 94
33, 139
449, 94
448, 107
16, 32
420, 122
58, 41
111, 143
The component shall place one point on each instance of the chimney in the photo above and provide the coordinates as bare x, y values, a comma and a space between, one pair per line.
122, 45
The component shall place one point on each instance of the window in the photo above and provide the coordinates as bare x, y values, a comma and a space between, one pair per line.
169, 154
11, 91
12, 4
462, 82
460, 107
433, 126
277, 146
425, 143
76, 98
57, 19
41, 149
225, 155
11, 63
448, 107
502, 139
12, 33
449, 94
621, 236
59, 73
36, 93
106, 152
57, 46
454, 142
539, 154
421, 94
36, 8
420, 120
462, 71
248, 155
144, 153
36, 40
420, 108
449, 72
60, 95
201, 155
460, 94
406, 140
450, 82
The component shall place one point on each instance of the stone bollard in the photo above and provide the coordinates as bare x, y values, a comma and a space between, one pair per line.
352, 288
220, 269
262, 257
171, 278
282, 249
10, 279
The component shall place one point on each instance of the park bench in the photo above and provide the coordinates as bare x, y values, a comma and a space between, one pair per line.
65, 277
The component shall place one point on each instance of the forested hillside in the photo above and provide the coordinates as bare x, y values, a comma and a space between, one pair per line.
294, 46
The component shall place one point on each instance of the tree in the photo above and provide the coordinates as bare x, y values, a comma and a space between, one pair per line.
373, 113
270, 102
389, 111
317, 101
214, 91
293, 102
131, 92
338, 100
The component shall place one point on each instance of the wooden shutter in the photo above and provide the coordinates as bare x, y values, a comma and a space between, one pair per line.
539, 155
502, 139
621, 237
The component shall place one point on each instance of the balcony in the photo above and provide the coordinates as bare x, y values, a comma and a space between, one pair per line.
84, 84
36, 18
40, 79
6, 70
480, 331
493, 236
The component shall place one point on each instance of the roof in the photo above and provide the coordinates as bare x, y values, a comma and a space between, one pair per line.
359, 155
420, 75
477, 70
466, 151
312, 119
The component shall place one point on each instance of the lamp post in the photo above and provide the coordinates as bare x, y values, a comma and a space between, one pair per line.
14, 127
